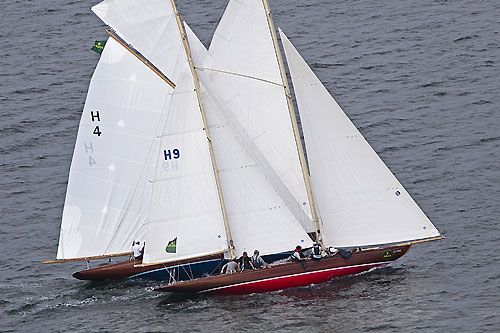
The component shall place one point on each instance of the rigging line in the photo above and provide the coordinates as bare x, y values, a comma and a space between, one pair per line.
191, 271
142, 59
217, 268
238, 74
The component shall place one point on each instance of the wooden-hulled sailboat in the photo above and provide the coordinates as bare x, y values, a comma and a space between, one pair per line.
197, 152
290, 274
144, 165
142, 162
360, 202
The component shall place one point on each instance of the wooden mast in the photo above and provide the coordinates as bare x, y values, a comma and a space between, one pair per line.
298, 141
156, 71
205, 125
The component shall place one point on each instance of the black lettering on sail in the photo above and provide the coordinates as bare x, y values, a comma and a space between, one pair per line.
95, 115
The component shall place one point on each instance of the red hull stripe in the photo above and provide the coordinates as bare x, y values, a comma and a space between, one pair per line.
294, 280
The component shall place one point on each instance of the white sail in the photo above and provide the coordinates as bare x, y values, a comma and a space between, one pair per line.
149, 26
185, 205
114, 189
360, 202
258, 216
242, 73
109, 187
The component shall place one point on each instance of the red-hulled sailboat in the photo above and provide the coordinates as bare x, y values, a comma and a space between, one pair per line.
197, 151
357, 201
289, 274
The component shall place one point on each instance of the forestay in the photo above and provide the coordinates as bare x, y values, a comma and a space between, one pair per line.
242, 74
360, 202
257, 215
109, 188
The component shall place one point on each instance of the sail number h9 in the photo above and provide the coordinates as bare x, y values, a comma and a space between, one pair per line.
169, 154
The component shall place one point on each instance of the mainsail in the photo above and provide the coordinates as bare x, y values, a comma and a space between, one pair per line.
185, 205
123, 138
360, 201
258, 216
241, 73
109, 188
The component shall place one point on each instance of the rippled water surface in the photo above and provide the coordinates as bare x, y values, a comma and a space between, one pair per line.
420, 79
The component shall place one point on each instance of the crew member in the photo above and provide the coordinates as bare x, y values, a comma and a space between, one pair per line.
333, 251
257, 261
298, 256
138, 251
244, 262
316, 253
230, 267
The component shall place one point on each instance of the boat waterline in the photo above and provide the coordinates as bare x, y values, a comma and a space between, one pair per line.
294, 280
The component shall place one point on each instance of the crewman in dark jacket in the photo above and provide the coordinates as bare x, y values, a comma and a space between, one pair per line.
244, 262
298, 256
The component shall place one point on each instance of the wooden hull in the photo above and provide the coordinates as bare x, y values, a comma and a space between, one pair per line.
290, 274
181, 270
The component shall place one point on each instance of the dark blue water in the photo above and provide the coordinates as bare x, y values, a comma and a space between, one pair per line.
419, 78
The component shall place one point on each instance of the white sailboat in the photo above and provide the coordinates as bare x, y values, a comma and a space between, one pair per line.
360, 202
199, 155
171, 192
142, 157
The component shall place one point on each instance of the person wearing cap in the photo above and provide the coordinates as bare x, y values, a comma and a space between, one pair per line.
138, 252
298, 256
244, 262
258, 262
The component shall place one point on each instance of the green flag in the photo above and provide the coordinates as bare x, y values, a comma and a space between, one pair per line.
172, 246
98, 46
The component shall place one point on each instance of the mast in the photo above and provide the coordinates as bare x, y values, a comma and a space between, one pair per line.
298, 141
205, 125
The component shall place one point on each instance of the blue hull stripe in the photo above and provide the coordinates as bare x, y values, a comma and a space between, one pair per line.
172, 267
195, 269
